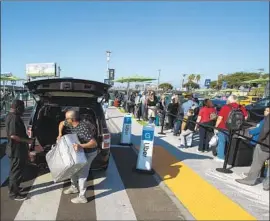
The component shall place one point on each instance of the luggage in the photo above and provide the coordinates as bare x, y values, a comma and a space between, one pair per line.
189, 139
63, 161
243, 152
157, 120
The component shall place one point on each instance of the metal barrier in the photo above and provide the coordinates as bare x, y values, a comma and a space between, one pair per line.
228, 133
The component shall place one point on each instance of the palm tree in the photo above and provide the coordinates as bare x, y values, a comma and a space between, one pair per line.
198, 78
191, 77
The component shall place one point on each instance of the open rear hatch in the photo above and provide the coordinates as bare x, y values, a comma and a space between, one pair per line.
64, 92
62, 87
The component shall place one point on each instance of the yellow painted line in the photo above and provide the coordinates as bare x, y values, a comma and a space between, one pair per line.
203, 200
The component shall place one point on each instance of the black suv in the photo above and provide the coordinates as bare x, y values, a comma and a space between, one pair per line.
256, 110
53, 97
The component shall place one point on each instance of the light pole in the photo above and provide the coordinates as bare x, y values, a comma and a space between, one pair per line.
158, 78
261, 70
183, 80
59, 71
108, 53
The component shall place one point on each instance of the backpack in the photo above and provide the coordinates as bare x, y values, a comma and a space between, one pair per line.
235, 119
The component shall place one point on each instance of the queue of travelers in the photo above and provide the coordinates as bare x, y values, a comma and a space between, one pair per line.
145, 106
188, 117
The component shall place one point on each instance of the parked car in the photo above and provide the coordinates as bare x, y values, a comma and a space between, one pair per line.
247, 100
53, 97
256, 110
218, 103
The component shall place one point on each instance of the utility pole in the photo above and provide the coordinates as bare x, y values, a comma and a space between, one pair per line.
59, 71
183, 80
158, 78
261, 70
108, 53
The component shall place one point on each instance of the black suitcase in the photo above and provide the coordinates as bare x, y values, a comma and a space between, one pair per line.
241, 153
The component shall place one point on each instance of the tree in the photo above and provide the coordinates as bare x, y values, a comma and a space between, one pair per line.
166, 86
198, 78
192, 85
236, 79
191, 77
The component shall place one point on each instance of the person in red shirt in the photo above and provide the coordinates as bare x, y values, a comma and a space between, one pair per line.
221, 123
207, 115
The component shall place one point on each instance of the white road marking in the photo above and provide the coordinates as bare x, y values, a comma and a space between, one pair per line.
44, 200
111, 199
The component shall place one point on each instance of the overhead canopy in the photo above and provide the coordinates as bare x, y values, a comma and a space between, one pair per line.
134, 79
260, 80
204, 90
11, 78
228, 90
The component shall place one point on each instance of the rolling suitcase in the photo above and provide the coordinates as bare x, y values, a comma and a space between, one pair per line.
241, 153
157, 120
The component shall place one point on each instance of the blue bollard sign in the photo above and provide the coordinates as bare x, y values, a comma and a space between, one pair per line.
126, 130
144, 161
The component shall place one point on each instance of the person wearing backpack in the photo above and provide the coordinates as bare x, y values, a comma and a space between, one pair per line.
230, 118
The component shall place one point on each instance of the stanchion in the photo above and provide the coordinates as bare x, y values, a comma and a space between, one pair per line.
145, 155
162, 123
235, 151
126, 131
224, 168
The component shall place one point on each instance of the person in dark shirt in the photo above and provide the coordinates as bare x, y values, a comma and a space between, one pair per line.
88, 144
17, 148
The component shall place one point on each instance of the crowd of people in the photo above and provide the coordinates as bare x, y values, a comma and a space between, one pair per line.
183, 116
186, 116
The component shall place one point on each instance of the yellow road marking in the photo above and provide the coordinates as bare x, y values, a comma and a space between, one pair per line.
204, 201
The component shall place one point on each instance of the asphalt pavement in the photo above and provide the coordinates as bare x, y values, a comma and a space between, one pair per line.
116, 194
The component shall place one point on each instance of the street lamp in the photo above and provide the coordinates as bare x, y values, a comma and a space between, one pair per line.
158, 78
59, 71
108, 53
183, 80
261, 70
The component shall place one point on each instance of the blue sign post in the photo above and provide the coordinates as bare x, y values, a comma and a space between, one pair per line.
207, 83
224, 85
144, 160
126, 131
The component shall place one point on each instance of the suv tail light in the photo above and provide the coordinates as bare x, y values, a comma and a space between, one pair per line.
106, 144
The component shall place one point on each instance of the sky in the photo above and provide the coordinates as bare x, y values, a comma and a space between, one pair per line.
206, 38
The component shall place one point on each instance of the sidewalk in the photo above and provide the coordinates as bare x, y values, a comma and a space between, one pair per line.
192, 177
